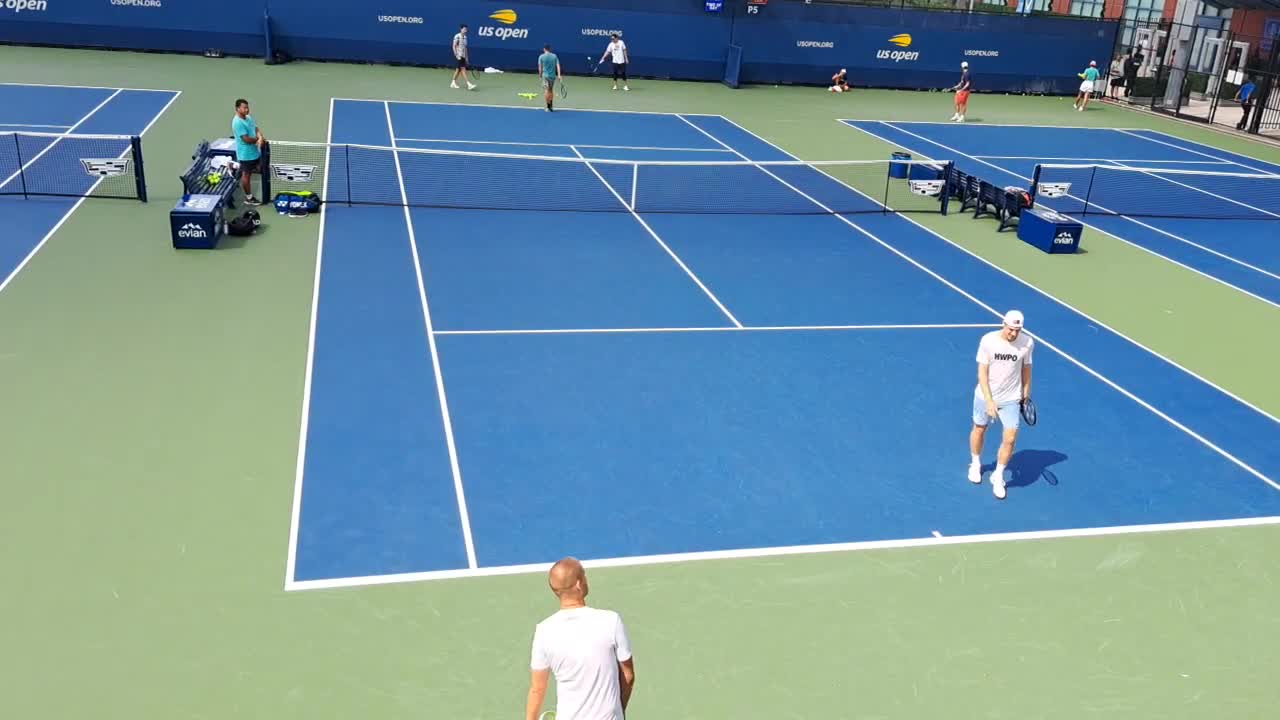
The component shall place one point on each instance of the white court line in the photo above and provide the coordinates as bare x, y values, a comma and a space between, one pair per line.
935, 540
1166, 258
1133, 132
505, 107
1250, 138
738, 329
68, 131
435, 358
1058, 300
296, 512
1098, 160
1151, 172
987, 124
52, 231
1159, 413
34, 125
658, 239
559, 145
86, 87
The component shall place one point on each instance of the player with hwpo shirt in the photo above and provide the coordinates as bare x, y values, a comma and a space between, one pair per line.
1004, 380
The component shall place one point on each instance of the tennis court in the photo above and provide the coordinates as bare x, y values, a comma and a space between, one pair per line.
703, 338
752, 378
43, 177
1207, 209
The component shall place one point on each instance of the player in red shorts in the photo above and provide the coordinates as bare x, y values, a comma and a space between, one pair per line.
962, 89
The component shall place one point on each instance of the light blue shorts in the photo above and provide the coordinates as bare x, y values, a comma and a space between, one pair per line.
1010, 417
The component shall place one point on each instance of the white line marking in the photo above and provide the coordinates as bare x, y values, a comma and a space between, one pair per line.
58, 138
87, 87
505, 107
1121, 238
758, 328
1046, 343
52, 231
403, 140
987, 124
435, 357
658, 239
1064, 303
1152, 171
754, 553
34, 125
1099, 160
296, 512
1133, 132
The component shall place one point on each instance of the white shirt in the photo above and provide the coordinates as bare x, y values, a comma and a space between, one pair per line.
583, 647
619, 51
460, 46
1004, 361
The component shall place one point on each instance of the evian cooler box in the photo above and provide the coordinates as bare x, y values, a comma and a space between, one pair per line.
1050, 231
196, 222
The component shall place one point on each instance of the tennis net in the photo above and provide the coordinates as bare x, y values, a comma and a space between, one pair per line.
373, 175
1157, 192
62, 165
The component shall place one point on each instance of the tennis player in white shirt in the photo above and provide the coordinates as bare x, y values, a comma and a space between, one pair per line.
1004, 379
586, 649
618, 50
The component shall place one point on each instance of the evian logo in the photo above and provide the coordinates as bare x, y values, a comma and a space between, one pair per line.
192, 230
17, 6
1064, 238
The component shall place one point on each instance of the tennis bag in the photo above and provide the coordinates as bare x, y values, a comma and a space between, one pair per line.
246, 224
297, 204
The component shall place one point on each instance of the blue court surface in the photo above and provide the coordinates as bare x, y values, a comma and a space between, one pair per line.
1156, 174
489, 390
32, 120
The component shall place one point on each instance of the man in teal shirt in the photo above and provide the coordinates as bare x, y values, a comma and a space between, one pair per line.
549, 69
1087, 85
249, 143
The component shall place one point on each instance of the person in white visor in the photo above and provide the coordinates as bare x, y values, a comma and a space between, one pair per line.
1004, 380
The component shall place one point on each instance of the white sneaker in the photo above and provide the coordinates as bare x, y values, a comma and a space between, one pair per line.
1080, 109
615, 87
961, 119
975, 474
471, 86
955, 116
453, 85
997, 486
626, 88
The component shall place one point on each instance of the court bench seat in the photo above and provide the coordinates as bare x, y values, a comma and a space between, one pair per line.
986, 198
195, 178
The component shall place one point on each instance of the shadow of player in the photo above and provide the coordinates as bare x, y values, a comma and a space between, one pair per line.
1028, 466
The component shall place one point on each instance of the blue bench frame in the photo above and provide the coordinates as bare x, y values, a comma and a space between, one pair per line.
194, 180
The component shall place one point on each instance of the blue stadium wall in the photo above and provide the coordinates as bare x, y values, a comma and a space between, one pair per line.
784, 42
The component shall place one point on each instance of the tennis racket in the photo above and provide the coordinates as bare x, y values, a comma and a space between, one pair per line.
561, 87
548, 715
1028, 410
595, 66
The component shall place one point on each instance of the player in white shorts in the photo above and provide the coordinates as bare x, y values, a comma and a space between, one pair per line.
1004, 380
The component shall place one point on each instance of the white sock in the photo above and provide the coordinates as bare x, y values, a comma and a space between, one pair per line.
999, 473
976, 460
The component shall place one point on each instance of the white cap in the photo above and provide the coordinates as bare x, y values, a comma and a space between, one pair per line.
1092, 63
842, 71
1013, 319
964, 64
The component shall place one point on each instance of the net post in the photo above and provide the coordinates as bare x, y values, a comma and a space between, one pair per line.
947, 171
888, 178
346, 164
139, 174
22, 177
1093, 174
266, 171
1035, 184
635, 183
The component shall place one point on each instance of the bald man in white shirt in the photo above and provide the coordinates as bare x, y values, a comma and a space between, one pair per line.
588, 651
1004, 380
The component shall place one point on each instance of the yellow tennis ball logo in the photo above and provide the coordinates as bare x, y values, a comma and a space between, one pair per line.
506, 17
901, 40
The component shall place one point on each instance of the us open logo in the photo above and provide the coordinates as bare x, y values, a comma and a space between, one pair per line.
506, 17
18, 6
902, 40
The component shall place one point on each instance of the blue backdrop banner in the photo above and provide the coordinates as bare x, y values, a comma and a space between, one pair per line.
786, 41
